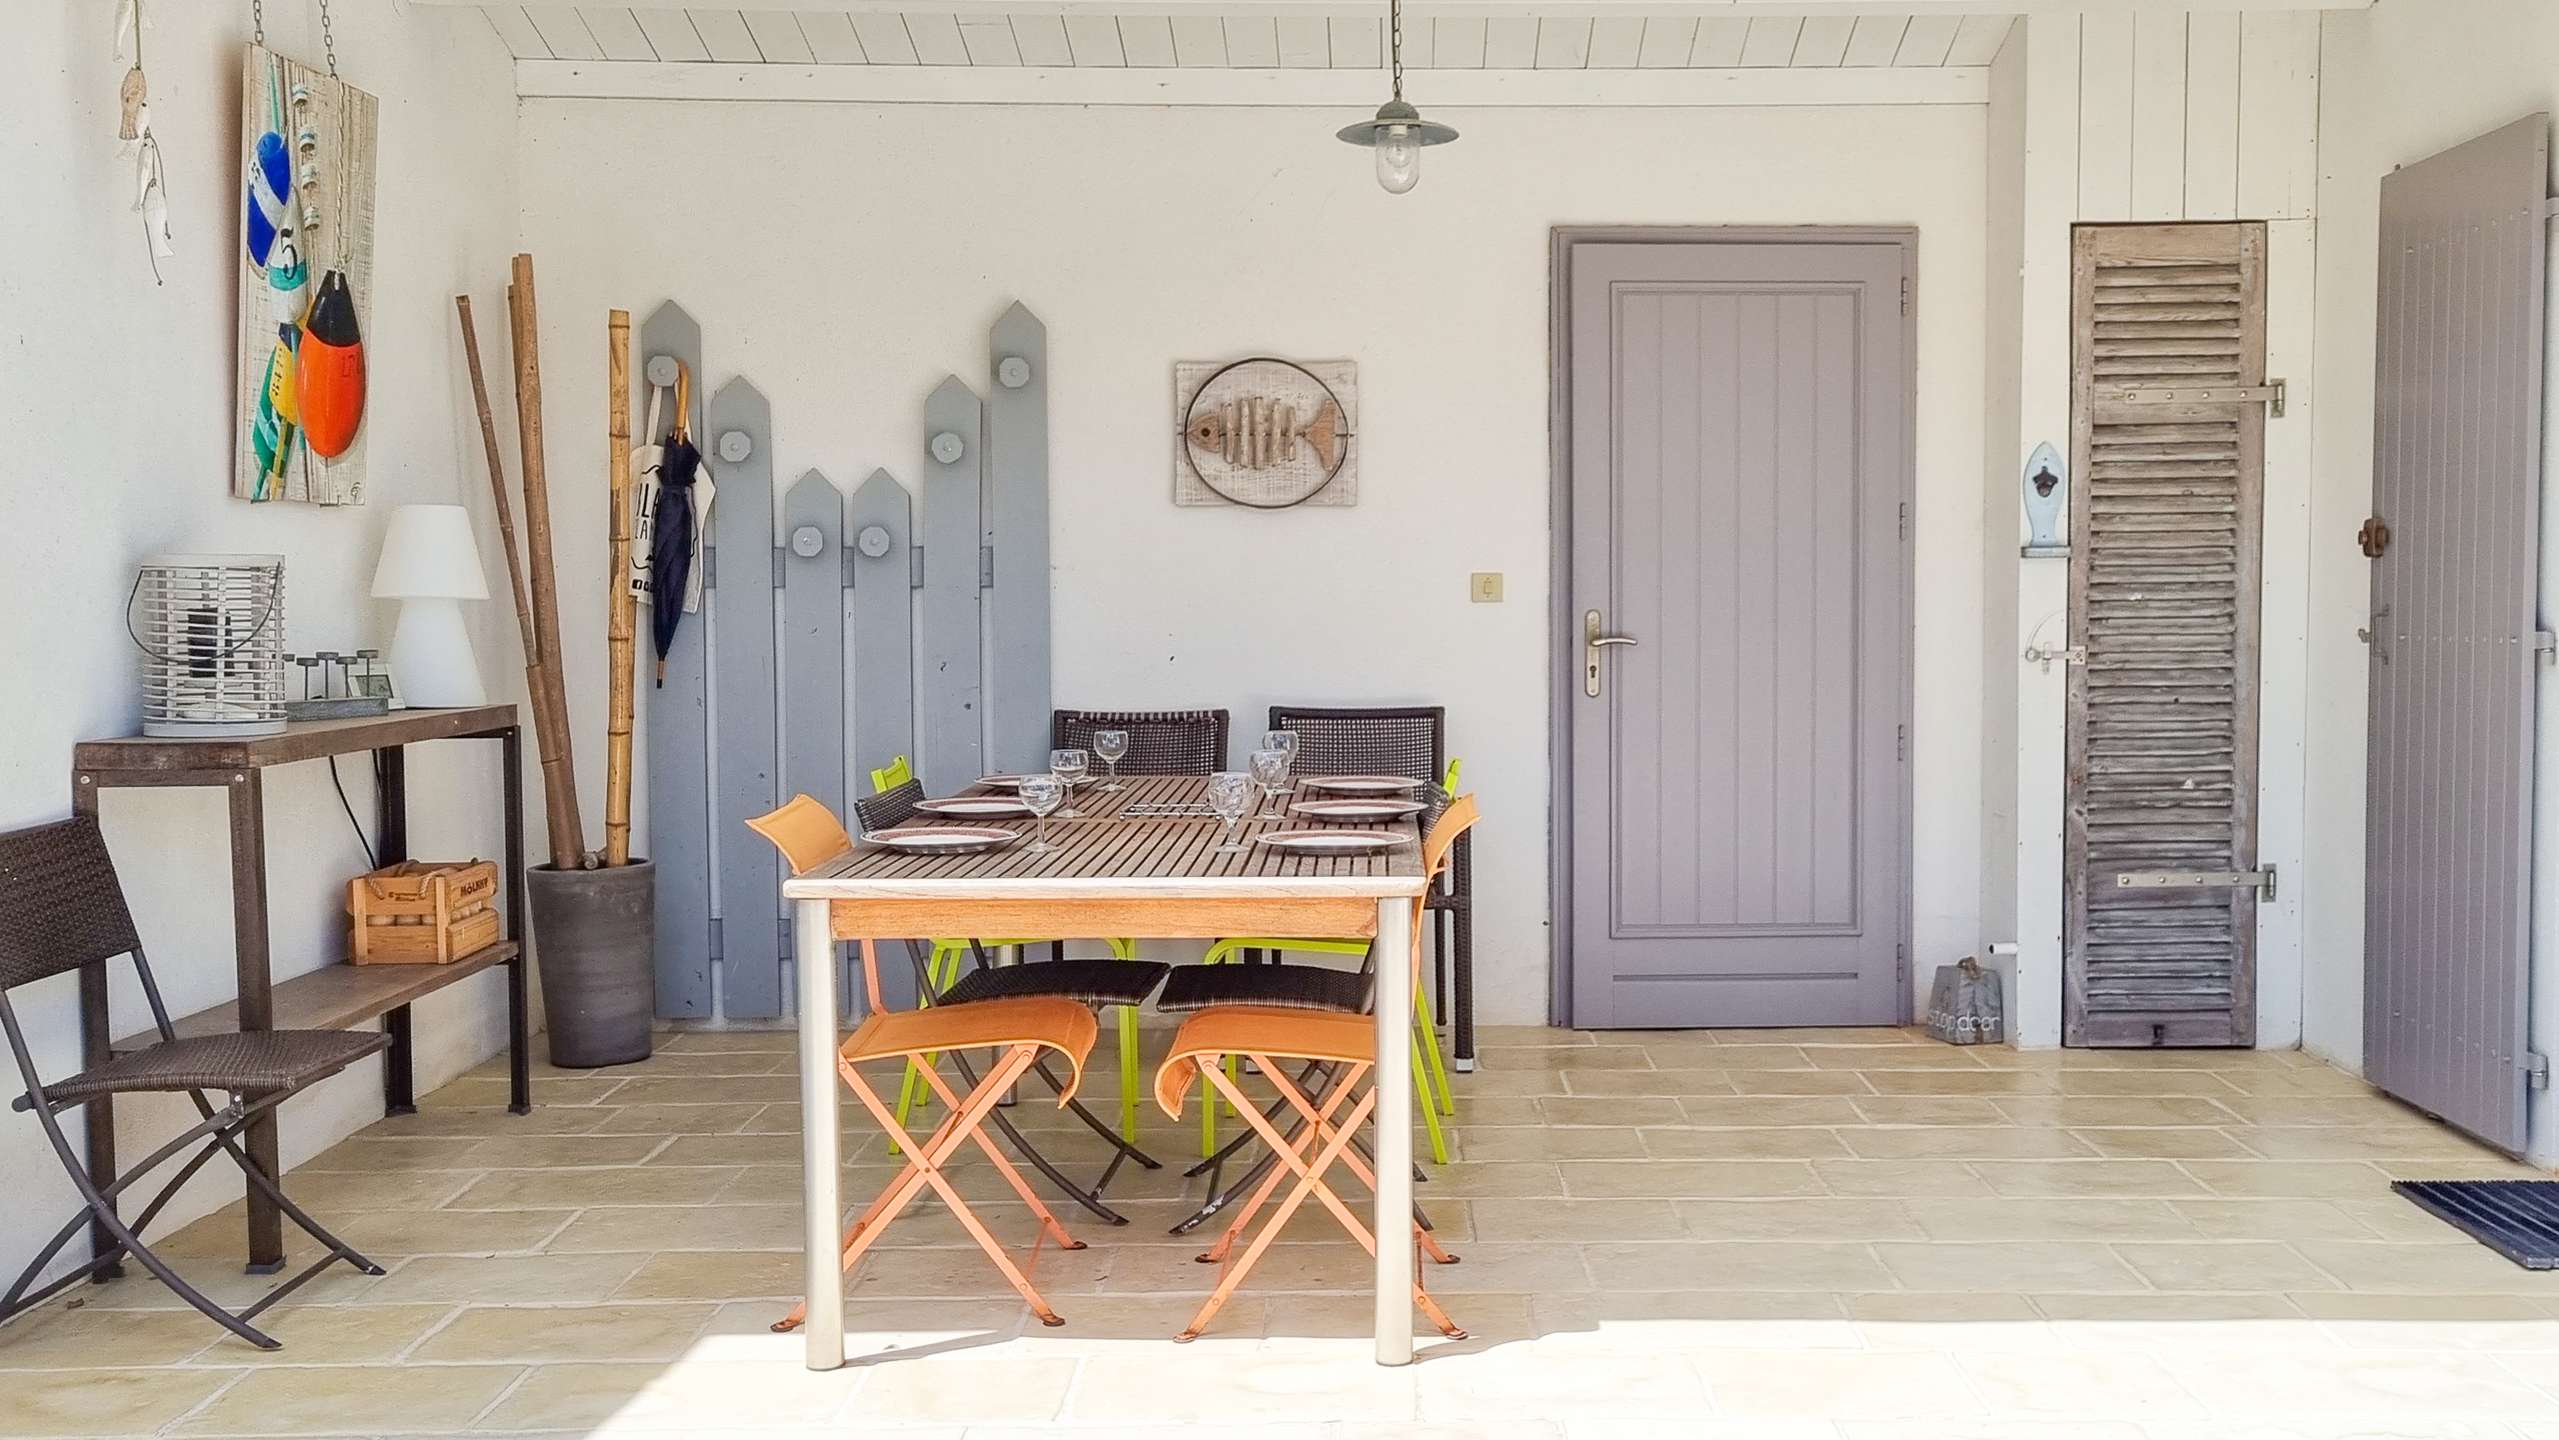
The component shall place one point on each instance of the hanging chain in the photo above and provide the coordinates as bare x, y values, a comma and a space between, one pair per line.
328, 40
1394, 42
258, 22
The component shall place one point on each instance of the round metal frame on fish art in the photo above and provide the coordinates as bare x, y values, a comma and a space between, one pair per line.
1266, 433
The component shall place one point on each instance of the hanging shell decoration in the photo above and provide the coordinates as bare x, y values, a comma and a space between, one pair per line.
1266, 433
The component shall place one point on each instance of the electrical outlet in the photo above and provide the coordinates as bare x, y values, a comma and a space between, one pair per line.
1485, 587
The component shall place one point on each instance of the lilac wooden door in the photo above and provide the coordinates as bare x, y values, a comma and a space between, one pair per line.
1738, 491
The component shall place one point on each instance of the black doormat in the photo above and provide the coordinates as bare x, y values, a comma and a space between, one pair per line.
2518, 1219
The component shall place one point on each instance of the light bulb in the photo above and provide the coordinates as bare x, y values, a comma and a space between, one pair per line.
1399, 158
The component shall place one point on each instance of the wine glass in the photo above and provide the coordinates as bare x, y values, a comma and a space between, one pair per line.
1270, 771
1230, 794
1284, 741
1041, 794
1069, 766
1110, 745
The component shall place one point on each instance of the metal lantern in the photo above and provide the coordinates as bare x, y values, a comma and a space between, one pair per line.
212, 630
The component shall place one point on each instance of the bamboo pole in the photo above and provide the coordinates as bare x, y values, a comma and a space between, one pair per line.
559, 766
537, 676
617, 594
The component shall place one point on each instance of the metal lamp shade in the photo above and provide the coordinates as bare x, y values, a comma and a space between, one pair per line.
1393, 113
212, 630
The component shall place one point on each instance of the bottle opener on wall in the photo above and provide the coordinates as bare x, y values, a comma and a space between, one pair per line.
2047, 491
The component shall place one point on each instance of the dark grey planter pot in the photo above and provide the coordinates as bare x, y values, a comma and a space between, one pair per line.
597, 935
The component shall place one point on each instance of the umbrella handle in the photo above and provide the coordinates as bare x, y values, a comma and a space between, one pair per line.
683, 401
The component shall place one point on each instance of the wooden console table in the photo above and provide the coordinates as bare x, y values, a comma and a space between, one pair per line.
337, 997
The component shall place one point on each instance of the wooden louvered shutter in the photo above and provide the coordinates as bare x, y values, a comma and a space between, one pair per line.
2168, 420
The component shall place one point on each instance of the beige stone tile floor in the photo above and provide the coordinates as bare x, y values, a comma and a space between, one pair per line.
1857, 1235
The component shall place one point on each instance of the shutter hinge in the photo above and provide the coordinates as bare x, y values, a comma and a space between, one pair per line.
986, 567
2261, 880
2270, 394
1905, 294
2536, 1070
1901, 961
1901, 742
1905, 519
2545, 644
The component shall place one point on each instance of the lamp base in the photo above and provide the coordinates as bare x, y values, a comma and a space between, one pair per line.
431, 661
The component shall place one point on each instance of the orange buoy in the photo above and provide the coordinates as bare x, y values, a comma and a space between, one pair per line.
329, 370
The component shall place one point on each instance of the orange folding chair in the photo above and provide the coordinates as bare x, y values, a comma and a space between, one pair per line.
1021, 1028
1269, 1037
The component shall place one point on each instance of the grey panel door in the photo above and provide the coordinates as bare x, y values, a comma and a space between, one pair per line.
1739, 451
2168, 447
2456, 485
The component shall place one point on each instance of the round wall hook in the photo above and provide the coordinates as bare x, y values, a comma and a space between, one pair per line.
807, 541
948, 447
1013, 372
873, 541
736, 445
662, 370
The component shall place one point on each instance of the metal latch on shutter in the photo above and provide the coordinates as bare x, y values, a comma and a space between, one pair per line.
2262, 881
2270, 394
2536, 1070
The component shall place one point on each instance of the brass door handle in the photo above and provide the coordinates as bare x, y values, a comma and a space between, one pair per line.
1596, 640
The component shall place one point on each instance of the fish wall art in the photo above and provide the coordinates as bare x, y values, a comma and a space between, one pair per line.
1266, 433
306, 282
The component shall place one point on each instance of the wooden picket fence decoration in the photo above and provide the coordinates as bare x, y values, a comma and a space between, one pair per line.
948, 650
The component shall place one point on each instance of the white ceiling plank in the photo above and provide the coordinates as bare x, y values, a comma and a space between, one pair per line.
831, 38
1305, 42
1349, 89
1510, 42
564, 30
1457, 42
1927, 40
1359, 42
1440, 9
1719, 43
672, 35
1875, 41
1252, 42
777, 33
617, 32
989, 40
1616, 42
1199, 42
1421, 44
725, 36
1095, 40
1978, 39
937, 38
1667, 41
516, 29
1771, 40
1563, 44
1041, 39
1824, 42
885, 39
1147, 41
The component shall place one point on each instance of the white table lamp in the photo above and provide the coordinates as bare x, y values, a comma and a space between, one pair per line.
430, 565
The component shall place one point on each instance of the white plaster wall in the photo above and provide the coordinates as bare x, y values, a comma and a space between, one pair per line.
846, 257
2401, 82
117, 395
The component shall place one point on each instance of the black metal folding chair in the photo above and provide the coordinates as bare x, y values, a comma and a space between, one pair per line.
61, 909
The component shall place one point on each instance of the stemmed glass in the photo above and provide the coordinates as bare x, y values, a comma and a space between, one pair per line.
1069, 766
1110, 745
1270, 771
1230, 794
1041, 794
1284, 741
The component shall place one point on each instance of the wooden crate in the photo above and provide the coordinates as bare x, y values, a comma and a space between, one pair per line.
423, 912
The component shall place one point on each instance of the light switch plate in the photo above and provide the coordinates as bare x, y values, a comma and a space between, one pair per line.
1485, 587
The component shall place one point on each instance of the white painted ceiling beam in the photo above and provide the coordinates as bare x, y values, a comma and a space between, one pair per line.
1355, 89
1415, 9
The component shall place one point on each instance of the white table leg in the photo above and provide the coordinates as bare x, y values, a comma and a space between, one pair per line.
822, 1205
1394, 1080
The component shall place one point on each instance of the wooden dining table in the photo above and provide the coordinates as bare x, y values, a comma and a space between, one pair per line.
1144, 861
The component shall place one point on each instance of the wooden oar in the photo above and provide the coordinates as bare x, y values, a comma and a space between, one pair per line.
617, 594
559, 769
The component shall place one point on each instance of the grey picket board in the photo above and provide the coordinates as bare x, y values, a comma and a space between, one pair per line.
679, 739
812, 602
1016, 530
744, 762
948, 675
883, 663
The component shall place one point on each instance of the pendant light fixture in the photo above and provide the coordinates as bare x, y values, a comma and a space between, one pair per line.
1399, 132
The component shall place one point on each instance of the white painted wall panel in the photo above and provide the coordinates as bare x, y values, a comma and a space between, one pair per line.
2159, 117
2212, 117
2278, 116
2106, 117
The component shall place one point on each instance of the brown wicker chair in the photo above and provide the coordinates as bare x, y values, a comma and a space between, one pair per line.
61, 909
1160, 742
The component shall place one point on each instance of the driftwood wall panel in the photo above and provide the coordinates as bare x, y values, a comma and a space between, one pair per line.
679, 728
1016, 540
950, 681
743, 708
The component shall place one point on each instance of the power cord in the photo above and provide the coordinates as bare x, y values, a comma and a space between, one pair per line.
370, 863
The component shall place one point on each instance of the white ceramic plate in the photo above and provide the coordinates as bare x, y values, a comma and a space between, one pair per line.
1331, 842
1002, 782
975, 807
943, 839
1363, 784
1371, 810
